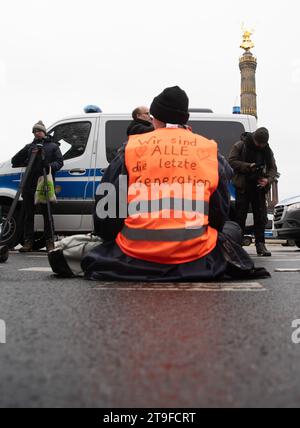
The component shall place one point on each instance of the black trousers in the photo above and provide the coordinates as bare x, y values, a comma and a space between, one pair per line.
257, 198
29, 212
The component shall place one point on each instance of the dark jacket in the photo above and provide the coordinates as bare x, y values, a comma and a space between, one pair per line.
53, 157
243, 154
139, 126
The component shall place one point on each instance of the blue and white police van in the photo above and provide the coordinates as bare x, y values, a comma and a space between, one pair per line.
89, 142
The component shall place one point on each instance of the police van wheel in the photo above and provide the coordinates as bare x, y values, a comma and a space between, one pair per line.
14, 230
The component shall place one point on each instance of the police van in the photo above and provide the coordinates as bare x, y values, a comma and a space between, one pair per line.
89, 142
287, 220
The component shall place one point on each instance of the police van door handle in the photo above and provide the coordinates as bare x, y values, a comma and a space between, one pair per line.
77, 171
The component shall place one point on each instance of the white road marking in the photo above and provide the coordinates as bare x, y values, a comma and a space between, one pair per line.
36, 269
199, 287
287, 270
37, 257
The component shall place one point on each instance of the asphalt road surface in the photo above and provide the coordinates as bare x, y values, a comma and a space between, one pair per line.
74, 343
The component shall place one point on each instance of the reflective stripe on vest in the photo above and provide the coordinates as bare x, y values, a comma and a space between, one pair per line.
163, 235
162, 227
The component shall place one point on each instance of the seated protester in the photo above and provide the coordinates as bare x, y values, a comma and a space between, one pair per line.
141, 123
180, 236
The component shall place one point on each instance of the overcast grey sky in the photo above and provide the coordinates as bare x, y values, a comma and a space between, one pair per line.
56, 56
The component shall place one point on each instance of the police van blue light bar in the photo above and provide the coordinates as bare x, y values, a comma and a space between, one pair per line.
236, 110
92, 109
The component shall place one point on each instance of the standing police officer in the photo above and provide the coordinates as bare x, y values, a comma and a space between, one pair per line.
255, 170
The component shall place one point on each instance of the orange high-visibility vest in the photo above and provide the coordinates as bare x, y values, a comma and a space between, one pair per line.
172, 176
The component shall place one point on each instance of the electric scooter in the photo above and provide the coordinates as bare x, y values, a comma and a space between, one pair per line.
5, 229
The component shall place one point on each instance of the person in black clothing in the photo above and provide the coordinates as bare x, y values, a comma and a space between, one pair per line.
255, 170
53, 159
141, 123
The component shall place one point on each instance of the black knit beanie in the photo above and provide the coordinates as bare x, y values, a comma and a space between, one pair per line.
171, 106
261, 136
39, 127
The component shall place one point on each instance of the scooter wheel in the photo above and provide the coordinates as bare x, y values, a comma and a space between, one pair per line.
4, 252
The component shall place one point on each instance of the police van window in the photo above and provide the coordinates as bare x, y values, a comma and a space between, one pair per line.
116, 135
72, 138
224, 133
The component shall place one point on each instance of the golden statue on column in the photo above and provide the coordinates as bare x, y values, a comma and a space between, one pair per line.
247, 42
